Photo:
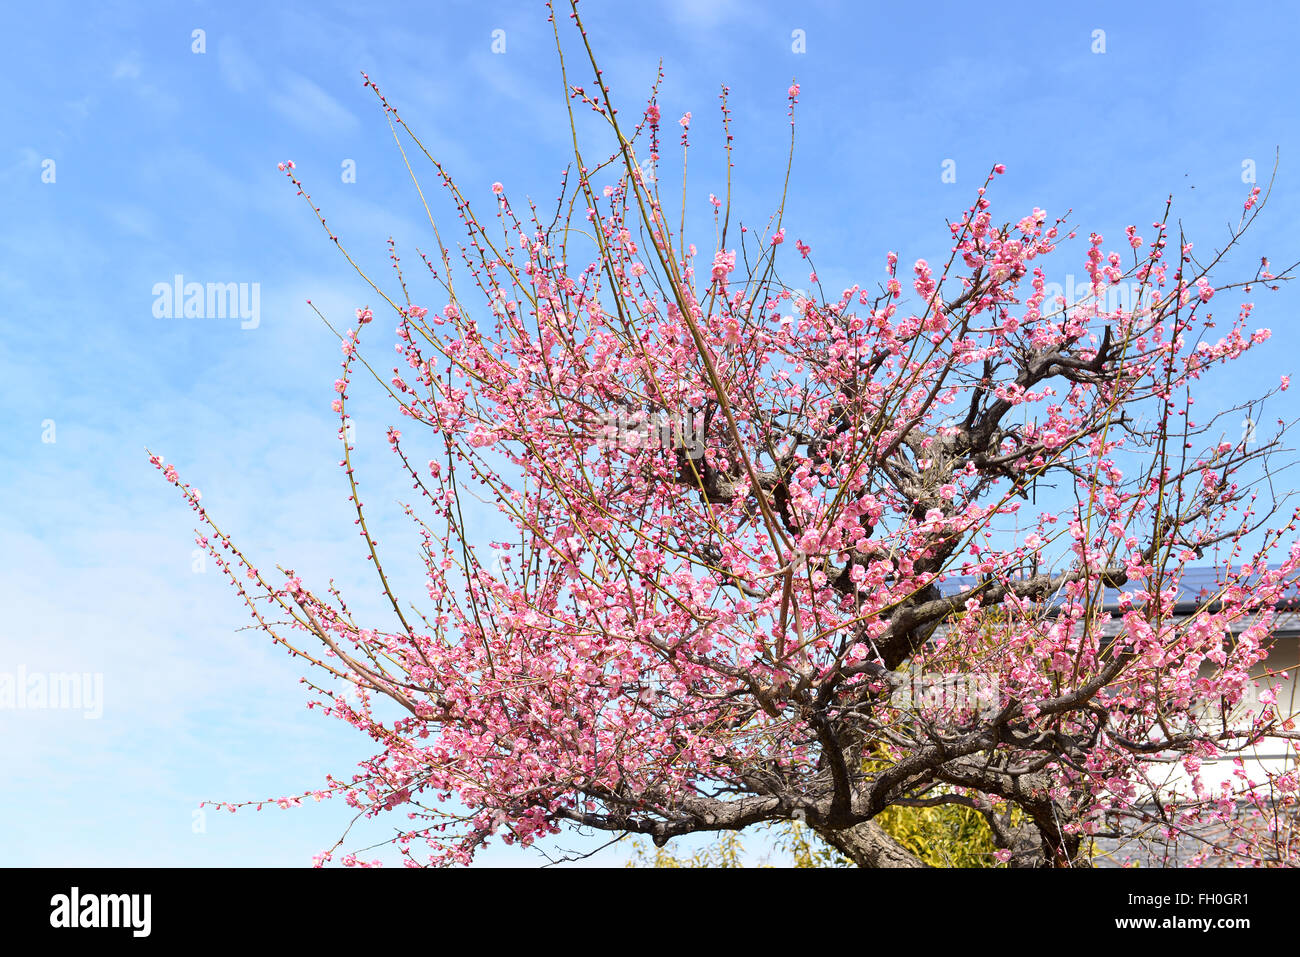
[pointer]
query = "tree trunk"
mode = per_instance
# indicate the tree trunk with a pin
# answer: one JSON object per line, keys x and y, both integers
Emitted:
{"x": 867, "y": 845}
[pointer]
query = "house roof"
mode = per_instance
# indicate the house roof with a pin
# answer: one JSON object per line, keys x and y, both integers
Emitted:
{"x": 1197, "y": 585}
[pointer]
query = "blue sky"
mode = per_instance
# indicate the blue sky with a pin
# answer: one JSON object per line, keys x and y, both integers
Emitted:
{"x": 164, "y": 163}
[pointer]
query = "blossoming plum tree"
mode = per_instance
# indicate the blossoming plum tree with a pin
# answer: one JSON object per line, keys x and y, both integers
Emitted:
{"x": 678, "y": 639}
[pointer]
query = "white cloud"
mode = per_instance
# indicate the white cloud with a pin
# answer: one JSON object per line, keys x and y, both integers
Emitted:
{"x": 127, "y": 68}
{"x": 705, "y": 13}
{"x": 132, "y": 220}
{"x": 238, "y": 70}
{"x": 309, "y": 107}
{"x": 27, "y": 163}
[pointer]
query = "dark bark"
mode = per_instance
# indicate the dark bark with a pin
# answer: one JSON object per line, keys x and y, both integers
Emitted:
{"x": 868, "y": 845}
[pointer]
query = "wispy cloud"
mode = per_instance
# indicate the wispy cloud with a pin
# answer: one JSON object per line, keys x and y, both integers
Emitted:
{"x": 127, "y": 68}
{"x": 239, "y": 71}
{"x": 132, "y": 220}
{"x": 706, "y": 14}
{"x": 310, "y": 108}
{"x": 26, "y": 164}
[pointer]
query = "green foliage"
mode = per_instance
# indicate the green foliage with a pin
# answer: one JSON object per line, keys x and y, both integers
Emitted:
{"x": 947, "y": 835}
{"x": 941, "y": 836}
{"x": 805, "y": 848}
{"x": 794, "y": 844}
{"x": 727, "y": 851}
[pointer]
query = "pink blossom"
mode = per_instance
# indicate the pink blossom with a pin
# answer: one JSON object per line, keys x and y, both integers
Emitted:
{"x": 724, "y": 261}
{"x": 677, "y": 539}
